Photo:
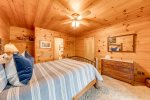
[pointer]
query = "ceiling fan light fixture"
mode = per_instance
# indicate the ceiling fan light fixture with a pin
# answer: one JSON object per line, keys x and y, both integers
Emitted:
{"x": 79, "y": 17}
{"x": 75, "y": 23}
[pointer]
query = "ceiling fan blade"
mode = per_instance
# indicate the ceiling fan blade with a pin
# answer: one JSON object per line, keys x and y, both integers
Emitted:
{"x": 66, "y": 21}
{"x": 69, "y": 16}
{"x": 85, "y": 23}
{"x": 86, "y": 13}
{"x": 92, "y": 21}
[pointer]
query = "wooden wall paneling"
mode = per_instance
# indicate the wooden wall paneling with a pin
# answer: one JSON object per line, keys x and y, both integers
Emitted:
{"x": 18, "y": 32}
{"x": 17, "y": 37}
{"x": 139, "y": 26}
{"x": 107, "y": 18}
{"x": 4, "y": 30}
{"x": 22, "y": 46}
{"x": 41, "y": 54}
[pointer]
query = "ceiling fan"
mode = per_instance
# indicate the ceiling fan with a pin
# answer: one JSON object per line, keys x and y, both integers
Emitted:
{"x": 76, "y": 19}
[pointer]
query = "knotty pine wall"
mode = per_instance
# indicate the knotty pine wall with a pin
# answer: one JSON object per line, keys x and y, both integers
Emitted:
{"x": 140, "y": 26}
{"x": 22, "y": 44}
{"x": 42, "y": 55}
{"x": 4, "y": 32}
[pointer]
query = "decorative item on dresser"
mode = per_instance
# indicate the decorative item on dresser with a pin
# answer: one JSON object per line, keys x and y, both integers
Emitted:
{"x": 148, "y": 82}
{"x": 119, "y": 69}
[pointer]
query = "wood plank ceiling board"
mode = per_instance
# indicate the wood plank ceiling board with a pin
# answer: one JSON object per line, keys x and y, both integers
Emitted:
{"x": 42, "y": 11}
{"x": 51, "y": 14}
{"x": 5, "y": 12}
{"x": 14, "y": 11}
{"x": 55, "y": 16}
{"x": 30, "y": 7}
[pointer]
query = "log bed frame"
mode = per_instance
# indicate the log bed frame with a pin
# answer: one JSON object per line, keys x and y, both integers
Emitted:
{"x": 92, "y": 83}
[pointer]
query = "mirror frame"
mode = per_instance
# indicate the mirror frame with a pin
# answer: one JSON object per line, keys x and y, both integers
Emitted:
{"x": 134, "y": 45}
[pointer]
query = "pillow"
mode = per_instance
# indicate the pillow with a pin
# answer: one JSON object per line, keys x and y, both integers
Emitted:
{"x": 3, "y": 79}
{"x": 11, "y": 73}
{"x": 27, "y": 55}
{"x": 19, "y": 70}
{"x": 4, "y": 58}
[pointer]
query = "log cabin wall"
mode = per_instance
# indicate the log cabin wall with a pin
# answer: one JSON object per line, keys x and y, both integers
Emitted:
{"x": 141, "y": 57}
{"x": 22, "y": 38}
{"x": 42, "y": 55}
{"x": 4, "y": 33}
{"x": 57, "y": 15}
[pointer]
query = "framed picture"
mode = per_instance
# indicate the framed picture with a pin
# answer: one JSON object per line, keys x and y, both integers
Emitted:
{"x": 112, "y": 39}
{"x": 45, "y": 44}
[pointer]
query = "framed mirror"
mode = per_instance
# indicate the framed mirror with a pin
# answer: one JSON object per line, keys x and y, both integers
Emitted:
{"x": 122, "y": 43}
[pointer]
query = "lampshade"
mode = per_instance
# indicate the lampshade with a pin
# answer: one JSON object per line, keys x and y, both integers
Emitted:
{"x": 10, "y": 48}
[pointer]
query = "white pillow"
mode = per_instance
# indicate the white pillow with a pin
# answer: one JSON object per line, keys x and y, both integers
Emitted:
{"x": 11, "y": 73}
{"x": 4, "y": 58}
{"x": 3, "y": 79}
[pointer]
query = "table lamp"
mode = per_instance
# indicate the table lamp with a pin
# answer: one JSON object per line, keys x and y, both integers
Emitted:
{"x": 10, "y": 48}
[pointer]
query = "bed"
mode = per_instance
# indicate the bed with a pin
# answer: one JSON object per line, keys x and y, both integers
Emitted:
{"x": 64, "y": 79}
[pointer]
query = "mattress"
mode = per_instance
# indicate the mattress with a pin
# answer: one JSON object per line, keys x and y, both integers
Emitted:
{"x": 55, "y": 80}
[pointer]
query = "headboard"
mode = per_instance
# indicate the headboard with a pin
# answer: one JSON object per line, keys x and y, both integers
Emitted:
{"x": 94, "y": 63}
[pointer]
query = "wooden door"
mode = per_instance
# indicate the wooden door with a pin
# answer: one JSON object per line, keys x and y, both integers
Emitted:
{"x": 58, "y": 48}
{"x": 89, "y": 48}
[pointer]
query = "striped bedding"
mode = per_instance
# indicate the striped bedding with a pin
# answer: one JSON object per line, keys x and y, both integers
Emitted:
{"x": 56, "y": 80}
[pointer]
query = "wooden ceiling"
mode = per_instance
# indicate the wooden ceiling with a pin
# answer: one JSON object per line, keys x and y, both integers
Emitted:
{"x": 50, "y": 14}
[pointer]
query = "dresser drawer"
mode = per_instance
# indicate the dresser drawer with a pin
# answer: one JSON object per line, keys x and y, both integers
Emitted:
{"x": 109, "y": 62}
{"x": 127, "y": 65}
{"x": 118, "y": 63}
{"x": 127, "y": 70}
{"x": 118, "y": 75}
{"x": 118, "y": 68}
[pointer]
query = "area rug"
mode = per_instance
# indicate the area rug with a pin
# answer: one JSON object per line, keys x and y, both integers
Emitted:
{"x": 112, "y": 89}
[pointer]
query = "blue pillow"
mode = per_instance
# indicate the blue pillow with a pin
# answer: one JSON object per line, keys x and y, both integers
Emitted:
{"x": 11, "y": 73}
{"x": 27, "y": 55}
{"x": 24, "y": 68}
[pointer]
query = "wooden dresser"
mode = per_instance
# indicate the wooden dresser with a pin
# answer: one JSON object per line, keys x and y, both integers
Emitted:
{"x": 122, "y": 70}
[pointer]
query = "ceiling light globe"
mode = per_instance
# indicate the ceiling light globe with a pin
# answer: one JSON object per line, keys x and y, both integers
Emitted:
{"x": 77, "y": 24}
{"x": 73, "y": 23}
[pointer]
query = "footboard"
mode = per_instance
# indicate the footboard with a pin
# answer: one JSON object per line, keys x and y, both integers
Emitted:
{"x": 94, "y": 63}
{"x": 92, "y": 83}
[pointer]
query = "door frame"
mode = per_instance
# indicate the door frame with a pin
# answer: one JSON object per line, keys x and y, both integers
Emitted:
{"x": 54, "y": 45}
